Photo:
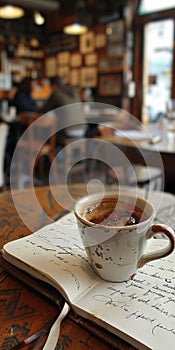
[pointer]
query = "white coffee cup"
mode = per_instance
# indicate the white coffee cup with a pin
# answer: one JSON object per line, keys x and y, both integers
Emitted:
{"x": 116, "y": 252}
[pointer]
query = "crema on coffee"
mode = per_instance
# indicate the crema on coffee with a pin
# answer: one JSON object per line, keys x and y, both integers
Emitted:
{"x": 113, "y": 212}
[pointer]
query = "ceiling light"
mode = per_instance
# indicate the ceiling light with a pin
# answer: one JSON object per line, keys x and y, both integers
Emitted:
{"x": 11, "y": 12}
{"x": 37, "y": 5}
{"x": 39, "y": 19}
{"x": 75, "y": 29}
{"x": 80, "y": 24}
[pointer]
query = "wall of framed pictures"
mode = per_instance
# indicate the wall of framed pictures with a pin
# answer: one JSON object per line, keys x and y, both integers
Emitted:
{"x": 98, "y": 62}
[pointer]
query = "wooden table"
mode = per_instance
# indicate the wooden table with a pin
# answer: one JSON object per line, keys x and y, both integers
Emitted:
{"x": 136, "y": 150}
{"x": 24, "y": 309}
{"x": 25, "y": 306}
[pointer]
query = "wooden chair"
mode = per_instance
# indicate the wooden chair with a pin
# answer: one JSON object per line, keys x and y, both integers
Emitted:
{"x": 147, "y": 177}
{"x": 74, "y": 154}
{"x": 38, "y": 141}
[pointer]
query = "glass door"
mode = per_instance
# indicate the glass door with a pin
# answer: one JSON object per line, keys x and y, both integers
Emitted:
{"x": 157, "y": 68}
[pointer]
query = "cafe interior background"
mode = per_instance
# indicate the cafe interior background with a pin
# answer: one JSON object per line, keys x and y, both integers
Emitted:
{"x": 124, "y": 58}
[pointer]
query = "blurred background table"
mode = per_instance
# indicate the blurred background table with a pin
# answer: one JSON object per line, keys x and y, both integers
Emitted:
{"x": 137, "y": 149}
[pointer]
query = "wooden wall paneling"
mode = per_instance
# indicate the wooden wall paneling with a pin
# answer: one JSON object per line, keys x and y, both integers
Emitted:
{"x": 138, "y": 71}
{"x": 173, "y": 73}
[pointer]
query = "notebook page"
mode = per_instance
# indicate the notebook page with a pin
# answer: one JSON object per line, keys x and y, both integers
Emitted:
{"x": 141, "y": 310}
{"x": 55, "y": 253}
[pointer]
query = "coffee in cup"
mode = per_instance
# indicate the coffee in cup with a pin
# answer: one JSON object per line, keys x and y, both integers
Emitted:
{"x": 112, "y": 212}
{"x": 115, "y": 230}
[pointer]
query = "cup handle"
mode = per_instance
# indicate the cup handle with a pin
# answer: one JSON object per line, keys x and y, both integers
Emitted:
{"x": 161, "y": 253}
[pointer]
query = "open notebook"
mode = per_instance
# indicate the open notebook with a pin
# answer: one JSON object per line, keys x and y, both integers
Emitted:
{"x": 140, "y": 311}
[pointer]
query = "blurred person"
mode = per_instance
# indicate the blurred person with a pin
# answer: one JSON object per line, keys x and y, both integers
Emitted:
{"x": 64, "y": 95}
{"x": 23, "y": 100}
{"x": 70, "y": 120}
{"x": 61, "y": 95}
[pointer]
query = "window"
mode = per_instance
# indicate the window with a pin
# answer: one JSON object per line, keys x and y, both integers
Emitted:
{"x": 149, "y": 6}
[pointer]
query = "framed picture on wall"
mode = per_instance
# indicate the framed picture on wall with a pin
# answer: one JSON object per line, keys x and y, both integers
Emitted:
{"x": 110, "y": 64}
{"x": 50, "y": 66}
{"x": 75, "y": 60}
{"x": 63, "y": 73}
{"x": 74, "y": 77}
{"x": 87, "y": 42}
{"x": 115, "y": 50}
{"x": 91, "y": 59}
{"x": 110, "y": 84}
{"x": 89, "y": 77}
{"x": 115, "y": 31}
{"x": 63, "y": 58}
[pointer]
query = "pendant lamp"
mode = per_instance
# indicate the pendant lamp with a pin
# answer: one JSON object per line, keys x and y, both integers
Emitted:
{"x": 11, "y": 12}
{"x": 75, "y": 29}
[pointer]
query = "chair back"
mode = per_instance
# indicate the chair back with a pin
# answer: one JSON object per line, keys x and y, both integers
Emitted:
{"x": 74, "y": 155}
{"x": 147, "y": 177}
{"x": 38, "y": 140}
